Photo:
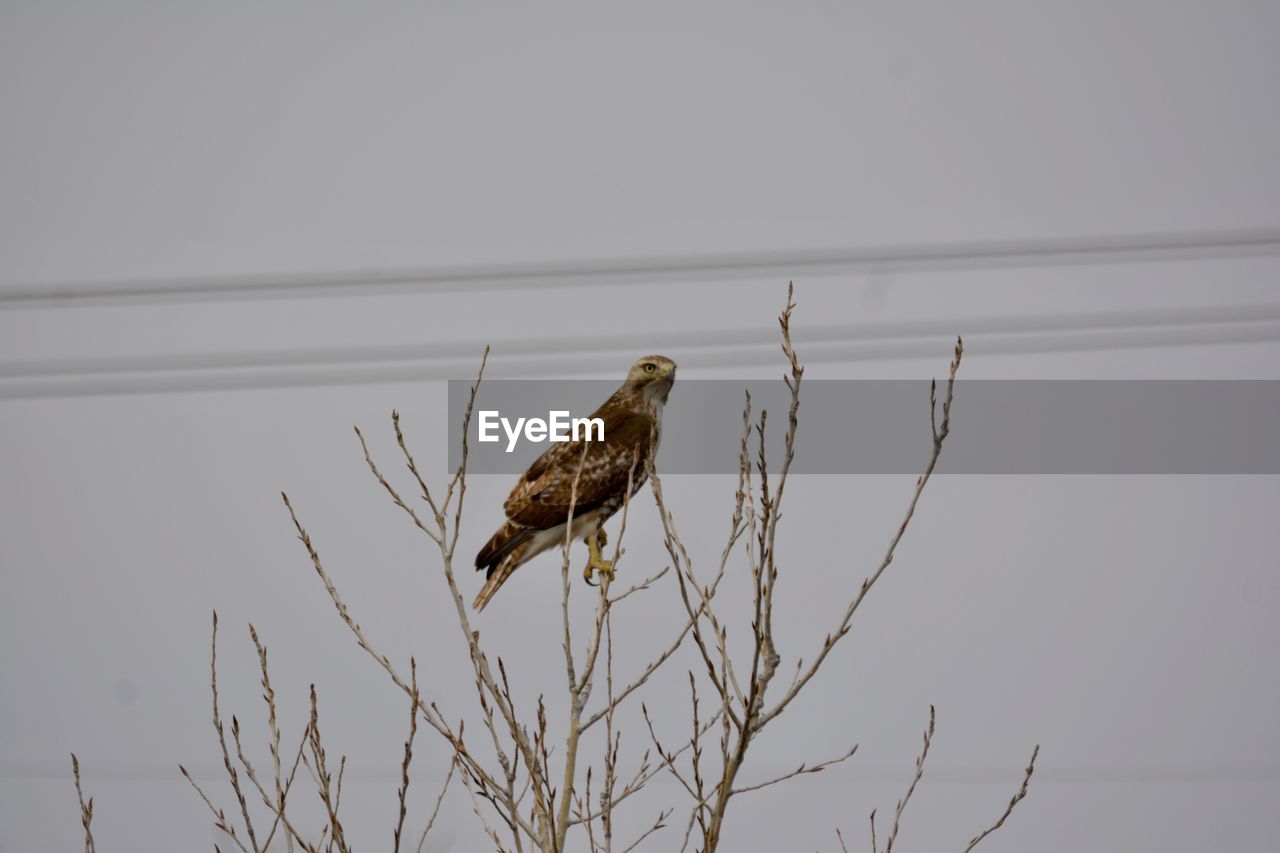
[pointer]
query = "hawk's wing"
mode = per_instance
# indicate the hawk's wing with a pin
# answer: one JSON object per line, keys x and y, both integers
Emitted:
{"x": 542, "y": 497}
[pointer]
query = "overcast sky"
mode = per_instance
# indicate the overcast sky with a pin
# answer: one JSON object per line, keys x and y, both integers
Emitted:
{"x": 230, "y": 231}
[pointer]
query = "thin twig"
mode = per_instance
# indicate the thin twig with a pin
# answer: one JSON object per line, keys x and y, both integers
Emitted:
{"x": 431, "y": 821}
{"x": 232, "y": 775}
{"x": 802, "y": 770}
{"x": 640, "y": 587}
{"x": 911, "y": 789}
{"x": 330, "y": 795}
{"x": 86, "y": 809}
{"x": 403, "y": 791}
{"x": 1017, "y": 798}
{"x": 657, "y": 824}
{"x": 220, "y": 818}
{"x": 273, "y": 727}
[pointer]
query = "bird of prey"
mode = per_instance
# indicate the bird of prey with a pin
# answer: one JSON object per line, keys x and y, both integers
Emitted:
{"x": 538, "y": 507}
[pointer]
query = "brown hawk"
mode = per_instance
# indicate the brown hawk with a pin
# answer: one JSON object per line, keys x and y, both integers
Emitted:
{"x": 538, "y": 507}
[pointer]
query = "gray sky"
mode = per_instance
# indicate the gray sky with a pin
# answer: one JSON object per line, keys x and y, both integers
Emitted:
{"x": 229, "y": 232}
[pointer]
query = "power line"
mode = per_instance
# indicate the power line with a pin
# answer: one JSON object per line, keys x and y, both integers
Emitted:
{"x": 784, "y": 263}
{"x": 555, "y": 356}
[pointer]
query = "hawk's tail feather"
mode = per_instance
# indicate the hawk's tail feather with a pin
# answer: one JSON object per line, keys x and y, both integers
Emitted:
{"x": 507, "y": 538}
{"x": 503, "y": 554}
{"x": 497, "y": 576}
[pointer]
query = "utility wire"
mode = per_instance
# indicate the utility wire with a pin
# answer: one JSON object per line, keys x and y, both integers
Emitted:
{"x": 604, "y": 272}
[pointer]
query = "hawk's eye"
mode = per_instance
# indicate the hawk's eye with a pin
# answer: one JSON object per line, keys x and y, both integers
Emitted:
{"x": 650, "y": 367}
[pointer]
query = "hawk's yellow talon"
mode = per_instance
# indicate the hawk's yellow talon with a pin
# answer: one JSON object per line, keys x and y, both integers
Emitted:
{"x": 595, "y": 562}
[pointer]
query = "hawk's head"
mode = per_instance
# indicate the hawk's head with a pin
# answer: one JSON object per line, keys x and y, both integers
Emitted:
{"x": 652, "y": 377}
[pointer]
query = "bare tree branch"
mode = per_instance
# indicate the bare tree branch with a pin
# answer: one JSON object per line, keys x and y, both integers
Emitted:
{"x": 802, "y": 770}
{"x": 435, "y": 811}
{"x": 1017, "y": 798}
{"x": 232, "y": 776}
{"x": 657, "y": 824}
{"x": 273, "y": 727}
{"x": 940, "y": 434}
{"x": 86, "y": 809}
{"x": 403, "y": 791}
{"x": 220, "y": 818}
{"x": 911, "y": 789}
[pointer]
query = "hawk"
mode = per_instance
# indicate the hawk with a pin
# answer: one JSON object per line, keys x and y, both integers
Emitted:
{"x": 538, "y": 507}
